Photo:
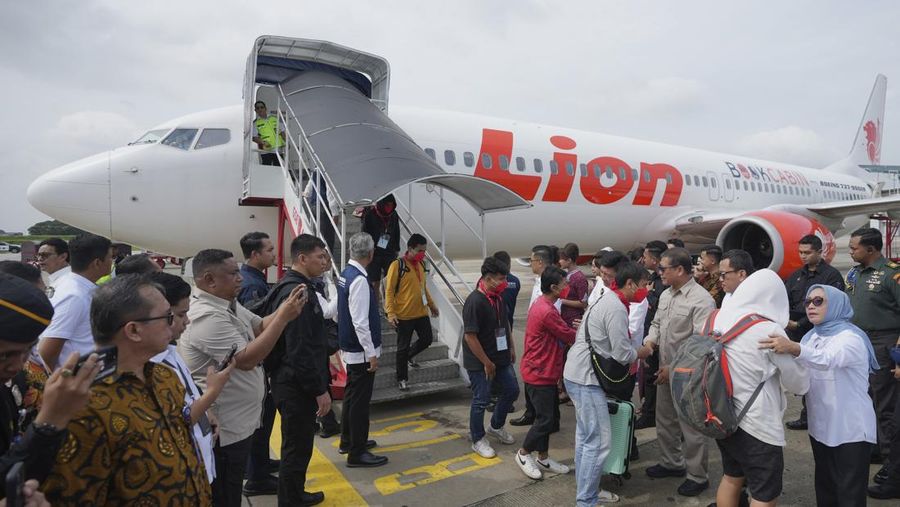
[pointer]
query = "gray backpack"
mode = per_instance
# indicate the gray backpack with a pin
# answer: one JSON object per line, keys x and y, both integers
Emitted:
{"x": 701, "y": 380}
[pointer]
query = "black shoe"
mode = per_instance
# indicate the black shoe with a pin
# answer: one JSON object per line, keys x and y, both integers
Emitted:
{"x": 882, "y": 476}
{"x": 799, "y": 424}
{"x": 370, "y": 444}
{"x": 274, "y": 465}
{"x": 412, "y": 363}
{"x": 884, "y": 491}
{"x": 314, "y": 498}
{"x": 645, "y": 422}
{"x": 658, "y": 472}
{"x": 366, "y": 460}
{"x": 329, "y": 431}
{"x": 692, "y": 488}
{"x": 267, "y": 486}
{"x": 524, "y": 420}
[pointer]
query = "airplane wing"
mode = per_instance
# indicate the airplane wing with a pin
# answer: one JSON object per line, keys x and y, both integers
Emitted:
{"x": 843, "y": 209}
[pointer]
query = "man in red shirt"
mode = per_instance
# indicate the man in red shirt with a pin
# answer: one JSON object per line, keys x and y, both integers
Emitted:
{"x": 546, "y": 339}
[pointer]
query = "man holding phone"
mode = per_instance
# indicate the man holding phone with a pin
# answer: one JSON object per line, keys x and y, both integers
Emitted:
{"x": 218, "y": 322}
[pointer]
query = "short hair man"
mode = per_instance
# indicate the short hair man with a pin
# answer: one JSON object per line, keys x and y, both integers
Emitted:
{"x": 651, "y": 257}
{"x": 511, "y": 294}
{"x": 874, "y": 289}
{"x": 488, "y": 356}
{"x": 53, "y": 257}
{"x": 674, "y": 243}
{"x": 408, "y": 303}
{"x": 25, "y": 271}
{"x": 735, "y": 267}
{"x": 219, "y": 324}
{"x": 266, "y": 134}
{"x": 814, "y": 271}
{"x": 137, "y": 264}
{"x": 359, "y": 333}
{"x": 683, "y": 310}
{"x": 70, "y": 331}
{"x": 259, "y": 255}
{"x": 706, "y": 272}
{"x": 574, "y": 299}
{"x": 135, "y": 419}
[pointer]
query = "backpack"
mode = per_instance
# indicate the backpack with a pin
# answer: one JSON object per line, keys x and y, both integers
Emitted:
{"x": 701, "y": 380}
{"x": 263, "y": 307}
{"x": 401, "y": 270}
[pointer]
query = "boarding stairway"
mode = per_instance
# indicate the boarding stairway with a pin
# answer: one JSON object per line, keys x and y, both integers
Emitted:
{"x": 343, "y": 153}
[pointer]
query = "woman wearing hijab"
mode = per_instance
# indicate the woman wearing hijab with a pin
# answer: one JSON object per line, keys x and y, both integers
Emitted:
{"x": 841, "y": 417}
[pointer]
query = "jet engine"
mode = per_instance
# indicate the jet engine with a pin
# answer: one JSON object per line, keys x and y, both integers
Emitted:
{"x": 771, "y": 238}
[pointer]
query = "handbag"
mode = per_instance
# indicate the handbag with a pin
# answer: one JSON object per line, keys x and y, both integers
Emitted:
{"x": 614, "y": 377}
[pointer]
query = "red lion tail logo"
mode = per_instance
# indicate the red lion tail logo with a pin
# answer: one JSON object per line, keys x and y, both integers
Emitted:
{"x": 873, "y": 150}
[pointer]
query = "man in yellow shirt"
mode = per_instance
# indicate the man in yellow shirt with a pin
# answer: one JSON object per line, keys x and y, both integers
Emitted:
{"x": 407, "y": 303}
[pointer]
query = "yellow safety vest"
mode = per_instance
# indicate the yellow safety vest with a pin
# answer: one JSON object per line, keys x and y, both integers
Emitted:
{"x": 268, "y": 131}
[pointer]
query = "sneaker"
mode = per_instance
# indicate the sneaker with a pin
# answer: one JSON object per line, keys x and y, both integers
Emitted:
{"x": 799, "y": 424}
{"x": 882, "y": 475}
{"x": 403, "y": 385}
{"x": 692, "y": 488}
{"x": 483, "y": 448}
{"x": 528, "y": 466}
{"x": 412, "y": 363}
{"x": 608, "y": 496}
{"x": 549, "y": 465}
{"x": 658, "y": 472}
{"x": 502, "y": 435}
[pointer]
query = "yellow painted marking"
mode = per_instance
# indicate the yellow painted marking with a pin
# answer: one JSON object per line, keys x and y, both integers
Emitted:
{"x": 419, "y": 426}
{"x": 394, "y": 483}
{"x": 398, "y": 417}
{"x": 417, "y": 443}
{"x": 322, "y": 475}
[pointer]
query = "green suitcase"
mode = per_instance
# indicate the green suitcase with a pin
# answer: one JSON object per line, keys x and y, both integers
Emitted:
{"x": 621, "y": 423}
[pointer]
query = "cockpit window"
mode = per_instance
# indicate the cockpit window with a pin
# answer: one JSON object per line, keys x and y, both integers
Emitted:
{"x": 213, "y": 137}
{"x": 180, "y": 138}
{"x": 151, "y": 137}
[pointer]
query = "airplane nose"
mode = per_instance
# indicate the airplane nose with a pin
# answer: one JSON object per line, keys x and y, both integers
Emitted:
{"x": 76, "y": 194}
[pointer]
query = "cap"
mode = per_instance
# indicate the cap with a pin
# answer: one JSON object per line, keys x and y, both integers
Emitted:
{"x": 25, "y": 311}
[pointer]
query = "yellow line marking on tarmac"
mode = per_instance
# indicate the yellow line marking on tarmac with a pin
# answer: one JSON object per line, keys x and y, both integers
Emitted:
{"x": 397, "y": 417}
{"x": 417, "y": 443}
{"x": 390, "y": 484}
{"x": 322, "y": 474}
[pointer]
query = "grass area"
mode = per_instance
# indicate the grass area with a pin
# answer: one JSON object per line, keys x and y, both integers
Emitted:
{"x": 18, "y": 240}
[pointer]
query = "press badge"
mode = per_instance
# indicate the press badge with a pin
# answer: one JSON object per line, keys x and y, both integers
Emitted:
{"x": 501, "y": 340}
{"x": 383, "y": 241}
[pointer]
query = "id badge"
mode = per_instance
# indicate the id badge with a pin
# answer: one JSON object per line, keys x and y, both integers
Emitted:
{"x": 383, "y": 241}
{"x": 205, "y": 425}
{"x": 424, "y": 299}
{"x": 501, "y": 340}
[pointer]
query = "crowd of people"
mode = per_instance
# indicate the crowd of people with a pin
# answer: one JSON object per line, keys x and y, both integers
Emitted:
{"x": 139, "y": 388}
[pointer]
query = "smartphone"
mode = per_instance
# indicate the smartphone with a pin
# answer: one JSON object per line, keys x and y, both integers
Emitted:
{"x": 107, "y": 359}
{"x": 228, "y": 358}
{"x": 15, "y": 479}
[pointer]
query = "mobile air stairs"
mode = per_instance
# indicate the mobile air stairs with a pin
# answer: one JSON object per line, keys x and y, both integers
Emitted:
{"x": 341, "y": 153}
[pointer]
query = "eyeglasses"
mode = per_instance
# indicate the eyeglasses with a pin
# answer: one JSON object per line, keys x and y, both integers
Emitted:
{"x": 170, "y": 319}
{"x": 816, "y": 301}
{"x": 45, "y": 255}
{"x": 662, "y": 269}
{"x": 723, "y": 273}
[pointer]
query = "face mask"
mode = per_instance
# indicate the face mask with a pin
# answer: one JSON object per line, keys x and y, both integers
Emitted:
{"x": 388, "y": 208}
{"x": 418, "y": 257}
{"x": 500, "y": 287}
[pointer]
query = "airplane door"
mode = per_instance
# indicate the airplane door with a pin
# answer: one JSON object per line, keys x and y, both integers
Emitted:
{"x": 729, "y": 190}
{"x": 713, "y": 185}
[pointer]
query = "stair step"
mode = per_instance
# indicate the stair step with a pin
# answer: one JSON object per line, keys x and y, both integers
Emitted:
{"x": 389, "y": 336}
{"x": 420, "y": 389}
{"x": 439, "y": 369}
{"x": 434, "y": 352}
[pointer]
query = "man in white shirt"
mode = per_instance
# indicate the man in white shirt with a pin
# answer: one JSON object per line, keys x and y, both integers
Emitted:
{"x": 53, "y": 257}
{"x": 70, "y": 330}
{"x": 735, "y": 267}
{"x": 359, "y": 333}
{"x": 754, "y": 453}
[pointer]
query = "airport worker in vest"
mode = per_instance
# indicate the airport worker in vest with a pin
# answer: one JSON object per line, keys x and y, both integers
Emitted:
{"x": 266, "y": 134}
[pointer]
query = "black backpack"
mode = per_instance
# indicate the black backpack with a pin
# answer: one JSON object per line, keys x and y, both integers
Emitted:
{"x": 264, "y": 307}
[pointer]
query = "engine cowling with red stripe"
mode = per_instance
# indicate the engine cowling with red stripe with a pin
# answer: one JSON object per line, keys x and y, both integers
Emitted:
{"x": 771, "y": 238}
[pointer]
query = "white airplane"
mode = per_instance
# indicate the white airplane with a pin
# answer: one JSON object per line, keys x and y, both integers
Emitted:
{"x": 176, "y": 189}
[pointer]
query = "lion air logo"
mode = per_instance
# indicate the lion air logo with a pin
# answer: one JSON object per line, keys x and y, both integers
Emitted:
{"x": 873, "y": 147}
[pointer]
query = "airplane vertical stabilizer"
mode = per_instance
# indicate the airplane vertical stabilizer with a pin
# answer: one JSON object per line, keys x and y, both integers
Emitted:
{"x": 866, "y": 149}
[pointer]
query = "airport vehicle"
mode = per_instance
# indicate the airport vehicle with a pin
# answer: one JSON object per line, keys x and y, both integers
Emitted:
{"x": 9, "y": 247}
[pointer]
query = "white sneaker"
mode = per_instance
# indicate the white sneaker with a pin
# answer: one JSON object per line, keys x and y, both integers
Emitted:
{"x": 608, "y": 496}
{"x": 549, "y": 465}
{"x": 403, "y": 385}
{"x": 502, "y": 435}
{"x": 527, "y": 465}
{"x": 484, "y": 449}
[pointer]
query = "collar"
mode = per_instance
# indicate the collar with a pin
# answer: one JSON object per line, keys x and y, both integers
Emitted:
{"x": 59, "y": 273}
{"x": 216, "y": 301}
{"x": 877, "y": 265}
{"x": 250, "y": 270}
{"x": 83, "y": 282}
{"x": 119, "y": 377}
{"x": 686, "y": 287}
{"x": 357, "y": 265}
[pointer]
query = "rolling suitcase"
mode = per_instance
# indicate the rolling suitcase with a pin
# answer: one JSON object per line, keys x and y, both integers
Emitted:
{"x": 621, "y": 423}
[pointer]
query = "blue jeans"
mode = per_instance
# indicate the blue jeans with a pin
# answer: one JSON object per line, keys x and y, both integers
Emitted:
{"x": 505, "y": 378}
{"x": 592, "y": 440}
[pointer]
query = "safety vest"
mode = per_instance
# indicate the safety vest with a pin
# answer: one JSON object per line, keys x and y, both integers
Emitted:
{"x": 268, "y": 131}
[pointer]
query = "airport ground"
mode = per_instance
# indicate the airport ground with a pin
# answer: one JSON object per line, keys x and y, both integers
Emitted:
{"x": 432, "y": 464}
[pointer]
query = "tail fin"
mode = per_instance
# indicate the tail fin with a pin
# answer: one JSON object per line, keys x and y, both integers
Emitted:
{"x": 866, "y": 148}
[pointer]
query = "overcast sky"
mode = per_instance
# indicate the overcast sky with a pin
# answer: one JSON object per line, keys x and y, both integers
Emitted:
{"x": 786, "y": 81}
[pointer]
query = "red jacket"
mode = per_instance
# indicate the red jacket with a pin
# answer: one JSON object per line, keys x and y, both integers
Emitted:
{"x": 546, "y": 338}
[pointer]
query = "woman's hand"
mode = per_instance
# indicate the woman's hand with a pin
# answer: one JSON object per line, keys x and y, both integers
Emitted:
{"x": 780, "y": 345}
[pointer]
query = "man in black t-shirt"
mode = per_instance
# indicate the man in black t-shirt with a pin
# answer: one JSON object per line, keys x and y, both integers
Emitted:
{"x": 488, "y": 356}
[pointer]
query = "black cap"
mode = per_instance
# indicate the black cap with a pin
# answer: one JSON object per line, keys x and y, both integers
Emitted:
{"x": 25, "y": 311}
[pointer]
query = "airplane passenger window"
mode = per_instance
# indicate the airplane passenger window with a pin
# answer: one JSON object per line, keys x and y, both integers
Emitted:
{"x": 728, "y": 184}
{"x": 570, "y": 168}
{"x": 598, "y": 171}
{"x": 646, "y": 175}
{"x": 713, "y": 182}
{"x": 520, "y": 164}
{"x": 623, "y": 173}
{"x": 504, "y": 162}
{"x": 752, "y": 186}
{"x": 150, "y": 137}
{"x": 746, "y": 188}
{"x": 554, "y": 167}
{"x": 430, "y": 153}
{"x": 449, "y": 157}
{"x": 705, "y": 182}
{"x": 669, "y": 179}
{"x": 609, "y": 171}
{"x": 213, "y": 137}
{"x": 687, "y": 180}
{"x": 584, "y": 170}
{"x": 180, "y": 138}
{"x": 468, "y": 158}
{"x": 634, "y": 175}
{"x": 696, "y": 181}
{"x": 538, "y": 165}
{"x": 486, "y": 160}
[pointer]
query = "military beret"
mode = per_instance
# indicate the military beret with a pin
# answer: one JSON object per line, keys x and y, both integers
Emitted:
{"x": 25, "y": 311}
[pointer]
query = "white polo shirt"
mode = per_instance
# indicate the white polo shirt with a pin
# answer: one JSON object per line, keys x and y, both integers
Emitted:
{"x": 72, "y": 315}
{"x": 54, "y": 278}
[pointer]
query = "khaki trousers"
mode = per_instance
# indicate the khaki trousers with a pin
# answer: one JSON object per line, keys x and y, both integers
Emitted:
{"x": 693, "y": 455}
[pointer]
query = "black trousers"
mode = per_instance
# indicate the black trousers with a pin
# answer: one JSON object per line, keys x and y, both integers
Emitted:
{"x": 894, "y": 456}
{"x": 355, "y": 412}
{"x": 842, "y": 473}
{"x": 405, "y": 352}
{"x": 231, "y": 461}
{"x": 268, "y": 159}
{"x": 258, "y": 462}
{"x": 884, "y": 388}
{"x": 648, "y": 408}
{"x": 544, "y": 399}
{"x": 298, "y": 432}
